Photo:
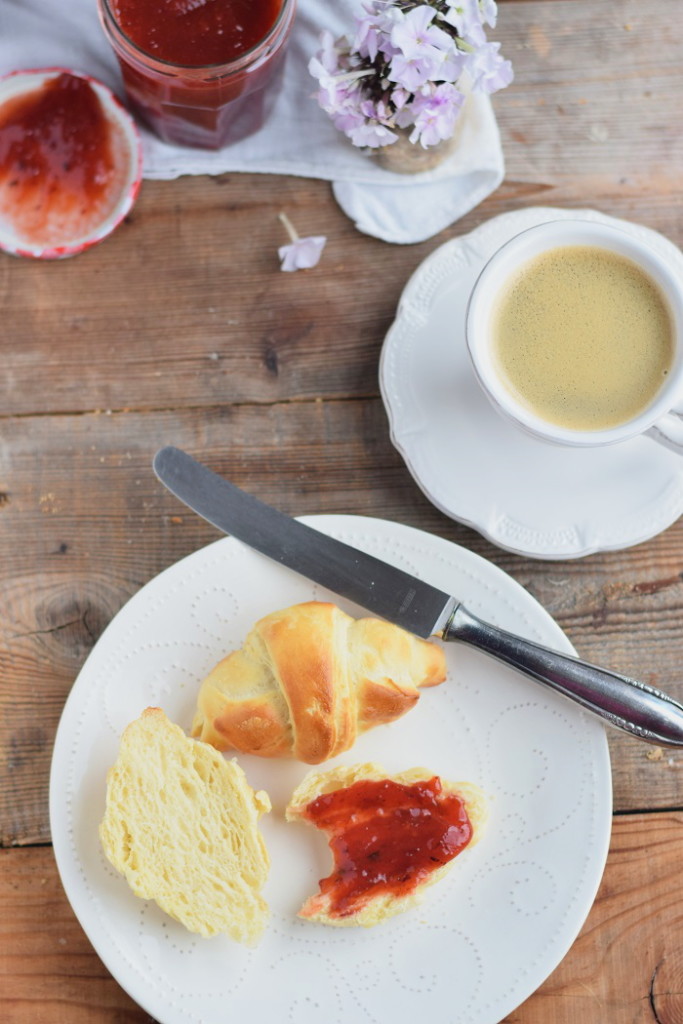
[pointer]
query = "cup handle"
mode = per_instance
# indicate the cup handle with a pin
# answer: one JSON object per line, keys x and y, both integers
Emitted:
{"x": 668, "y": 430}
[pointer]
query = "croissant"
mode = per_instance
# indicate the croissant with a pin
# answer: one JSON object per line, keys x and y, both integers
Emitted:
{"x": 309, "y": 679}
{"x": 181, "y": 825}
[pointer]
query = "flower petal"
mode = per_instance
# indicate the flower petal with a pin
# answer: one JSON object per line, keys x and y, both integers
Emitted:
{"x": 302, "y": 254}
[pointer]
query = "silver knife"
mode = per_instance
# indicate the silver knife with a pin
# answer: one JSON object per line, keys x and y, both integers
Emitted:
{"x": 411, "y": 603}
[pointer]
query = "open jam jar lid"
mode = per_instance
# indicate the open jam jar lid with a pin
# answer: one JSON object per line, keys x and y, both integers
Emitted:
{"x": 70, "y": 162}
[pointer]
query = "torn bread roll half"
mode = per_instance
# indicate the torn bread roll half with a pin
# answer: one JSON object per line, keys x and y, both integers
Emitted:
{"x": 390, "y": 836}
{"x": 309, "y": 680}
{"x": 181, "y": 826}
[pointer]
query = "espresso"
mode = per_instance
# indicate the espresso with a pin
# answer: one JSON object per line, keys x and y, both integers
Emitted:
{"x": 582, "y": 337}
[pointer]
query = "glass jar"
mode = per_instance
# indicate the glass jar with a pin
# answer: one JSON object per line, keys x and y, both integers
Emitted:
{"x": 207, "y": 106}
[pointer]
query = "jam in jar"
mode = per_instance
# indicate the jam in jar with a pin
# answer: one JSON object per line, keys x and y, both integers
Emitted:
{"x": 202, "y": 73}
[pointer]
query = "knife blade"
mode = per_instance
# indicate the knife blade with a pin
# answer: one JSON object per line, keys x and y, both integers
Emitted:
{"x": 413, "y": 604}
{"x": 382, "y": 589}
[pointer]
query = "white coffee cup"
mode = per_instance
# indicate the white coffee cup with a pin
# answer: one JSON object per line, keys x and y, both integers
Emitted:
{"x": 662, "y": 419}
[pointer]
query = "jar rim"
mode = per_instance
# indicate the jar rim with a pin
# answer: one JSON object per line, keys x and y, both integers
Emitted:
{"x": 189, "y": 70}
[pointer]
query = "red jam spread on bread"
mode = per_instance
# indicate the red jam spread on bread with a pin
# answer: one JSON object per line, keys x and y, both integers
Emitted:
{"x": 57, "y": 164}
{"x": 386, "y": 838}
{"x": 196, "y": 33}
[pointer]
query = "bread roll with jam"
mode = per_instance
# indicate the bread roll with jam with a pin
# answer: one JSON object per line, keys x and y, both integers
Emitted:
{"x": 391, "y": 836}
{"x": 181, "y": 826}
{"x": 309, "y": 680}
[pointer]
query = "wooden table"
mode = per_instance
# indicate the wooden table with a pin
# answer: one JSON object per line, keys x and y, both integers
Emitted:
{"x": 181, "y": 329}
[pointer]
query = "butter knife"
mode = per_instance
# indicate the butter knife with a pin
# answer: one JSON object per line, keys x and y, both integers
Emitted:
{"x": 411, "y": 603}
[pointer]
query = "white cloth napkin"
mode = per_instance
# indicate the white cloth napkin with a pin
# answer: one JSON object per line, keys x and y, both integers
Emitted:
{"x": 299, "y": 138}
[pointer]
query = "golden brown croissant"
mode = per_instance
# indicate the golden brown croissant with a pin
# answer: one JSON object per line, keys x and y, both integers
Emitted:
{"x": 309, "y": 679}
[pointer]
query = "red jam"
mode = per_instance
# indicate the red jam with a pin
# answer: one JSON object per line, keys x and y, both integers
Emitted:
{"x": 386, "y": 838}
{"x": 58, "y": 168}
{"x": 202, "y": 73}
{"x": 196, "y": 32}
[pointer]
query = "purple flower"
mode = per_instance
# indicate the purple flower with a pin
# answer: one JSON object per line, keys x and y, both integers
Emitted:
{"x": 373, "y": 135}
{"x": 422, "y": 48}
{"x": 489, "y": 12}
{"x": 465, "y": 17}
{"x": 401, "y": 69}
{"x": 339, "y": 95}
{"x": 399, "y": 97}
{"x": 301, "y": 253}
{"x": 411, "y": 72}
{"x": 330, "y": 51}
{"x": 388, "y": 17}
{"x": 488, "y": 69}
{"x": 328, "y": 83}
{"x": 453, "y": 63}
{"x": 377, "y": 111}
{"x": 348, "y": 120}
{"x": 367, "y": 39}
{"x": 435, "y": 114}
{"x": 416, "y": 37}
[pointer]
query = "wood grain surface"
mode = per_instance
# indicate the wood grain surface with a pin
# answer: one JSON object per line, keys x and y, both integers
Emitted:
{"x": 626, "y": 964}
{"x": 181, "y": 329}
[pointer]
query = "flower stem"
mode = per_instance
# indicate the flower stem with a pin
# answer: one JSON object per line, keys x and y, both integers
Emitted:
{"x": 291, "y": 230}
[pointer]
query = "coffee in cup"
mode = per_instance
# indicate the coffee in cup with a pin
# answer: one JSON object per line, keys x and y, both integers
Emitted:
{"x": 575, "y": 331}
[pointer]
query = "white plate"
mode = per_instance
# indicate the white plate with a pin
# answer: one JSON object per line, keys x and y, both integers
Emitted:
{"x": 524, "y": 495}
{"x": 484, "y": 938}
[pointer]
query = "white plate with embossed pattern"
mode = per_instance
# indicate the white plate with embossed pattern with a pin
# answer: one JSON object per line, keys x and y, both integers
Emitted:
{"x": 522, "y": 494}
{"x": 484, "y": 937}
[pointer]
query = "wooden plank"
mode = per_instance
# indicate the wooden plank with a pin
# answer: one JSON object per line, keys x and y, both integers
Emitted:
{"x": 85, "y": 524}
{"x": 624, "y": 966}
{"x": 49, "y": 972}
{"x": 595, "y": 100}
{"x": 185, "y": 304}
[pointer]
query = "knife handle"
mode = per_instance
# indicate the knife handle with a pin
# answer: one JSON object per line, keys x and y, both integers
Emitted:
{"x": 625, "y": 703}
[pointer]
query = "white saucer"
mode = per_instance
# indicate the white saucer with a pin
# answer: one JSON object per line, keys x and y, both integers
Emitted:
{"x": 522, "y": 494}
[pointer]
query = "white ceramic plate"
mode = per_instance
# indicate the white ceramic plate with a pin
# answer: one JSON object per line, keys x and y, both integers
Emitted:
{"x": 484, "y": 938}
{"x": 522, "y": 494}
